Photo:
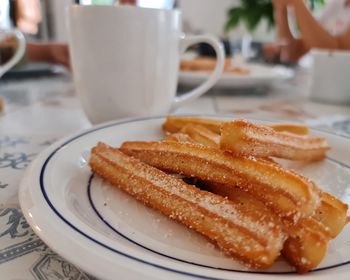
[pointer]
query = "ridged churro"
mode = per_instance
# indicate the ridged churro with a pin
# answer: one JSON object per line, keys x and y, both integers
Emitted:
{"x": 202, "y": 135}
{"x": 246, "y": 138}
{"x": 179, "y": 137}
{"x": 287, "y": 193}
{"x": 174, "y": 124}
{"x": 299, "y": 129}
{"x": 248, "y": 236}
{"x": 332, "y": 213}
{"x": 307, "y": 241}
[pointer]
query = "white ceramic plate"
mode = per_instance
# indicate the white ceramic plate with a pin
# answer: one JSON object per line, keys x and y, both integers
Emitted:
{"x": 260, "y": 75}
{"x": 110, "y": 235}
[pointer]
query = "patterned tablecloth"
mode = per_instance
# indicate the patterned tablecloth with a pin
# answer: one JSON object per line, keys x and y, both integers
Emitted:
{"x": 39, "y": 112}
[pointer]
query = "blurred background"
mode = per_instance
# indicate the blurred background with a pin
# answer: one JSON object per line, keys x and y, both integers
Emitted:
{"x": 209, "y": 16}
{"x": 246, "y": 27}
{"x": 243, "y": 23}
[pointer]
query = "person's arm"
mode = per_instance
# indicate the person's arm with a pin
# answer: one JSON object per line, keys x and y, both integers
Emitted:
{"x": 49, "y": 52}
{"x": 312, "y": 33}
{"x": 281, "y": 18}
{"x": 28, "y": 15}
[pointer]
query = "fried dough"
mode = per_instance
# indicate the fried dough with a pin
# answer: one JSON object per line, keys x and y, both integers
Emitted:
{"x": 174, "y": 124}
{"x": 308, "y": 239}
{"x": 246, "y": 138}
{"x": 202, "y": 135}
{"x": 287, "y": 193}
{"x": 332, "y": 212}
{"x": 248, "y": 236}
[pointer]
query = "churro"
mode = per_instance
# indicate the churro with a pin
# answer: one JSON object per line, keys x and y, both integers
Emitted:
{"x": 246, "y": 138}
{"x": 174, "y": 124}
{"x": 291, "y": 128}
{"x": 179, "y": 137}
{"x": 202, "y": 135}
{"x": 307, "y": 241}
{"x": 332, "y": 213}
{"x": 287, "y": 193}
{"x": 248, "y": 236}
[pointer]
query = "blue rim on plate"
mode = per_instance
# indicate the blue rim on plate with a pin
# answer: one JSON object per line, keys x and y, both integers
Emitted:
{"x": 44, "y": 193}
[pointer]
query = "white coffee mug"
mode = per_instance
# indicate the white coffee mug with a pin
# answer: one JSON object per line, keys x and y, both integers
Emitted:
{"x": 329, "y": 79}
{"x": 19, "y": 52}
{"x": 125, "y": 60}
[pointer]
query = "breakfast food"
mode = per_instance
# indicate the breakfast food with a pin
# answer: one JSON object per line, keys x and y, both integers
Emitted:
{"x": 332, "y": 213}
{"x": 201, "y": 134}
{"x": 251, "y": 237}
{"x": 307, "y": 241}
{"x": 208, "y": 64}
{"x": 289, "y": 194}
{"x": 174, "y": 124}
{"x": 247, "y": 138}
{"x": 291, "y": 127}
{"x": 223, "y": 183}
{"x": 179, "y": 137}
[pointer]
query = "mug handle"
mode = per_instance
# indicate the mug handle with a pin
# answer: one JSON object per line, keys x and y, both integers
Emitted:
{"x": 187, "y": 41}
{"x": 20, "y": 50}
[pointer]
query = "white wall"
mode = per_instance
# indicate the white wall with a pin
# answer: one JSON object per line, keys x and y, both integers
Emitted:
{"x": 210, "y": 16}
{"x": 205, "y": 15}
{"x": 59, "y": 9}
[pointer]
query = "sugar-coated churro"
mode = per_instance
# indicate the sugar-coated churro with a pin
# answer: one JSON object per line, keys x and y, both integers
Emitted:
{"x": 289, "y": 194}
{"x": 246, "y": 138}
{"x": 179, "y": 137}
{"x": 291, "y": 127}
{"x": 307, "y": 241}
{"x": 174, "y": 124}
{"x": 248, "y": 236}
{"x": 202, "y": 135}
{"x": 332, "y": 213}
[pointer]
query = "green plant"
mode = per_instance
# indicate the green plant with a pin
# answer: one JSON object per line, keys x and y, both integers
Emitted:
{"x": 251, "y": 12}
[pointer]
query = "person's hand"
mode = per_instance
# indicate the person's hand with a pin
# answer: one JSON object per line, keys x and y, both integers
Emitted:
{"x": 59, "y": 54}
{"x": 289, "y": 51}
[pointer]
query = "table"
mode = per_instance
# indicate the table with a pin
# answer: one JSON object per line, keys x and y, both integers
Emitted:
{"x": 40, "y": 111}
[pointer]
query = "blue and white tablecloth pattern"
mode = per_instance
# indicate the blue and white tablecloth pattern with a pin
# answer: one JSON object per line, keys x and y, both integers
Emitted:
{"x": 18, "y": 243}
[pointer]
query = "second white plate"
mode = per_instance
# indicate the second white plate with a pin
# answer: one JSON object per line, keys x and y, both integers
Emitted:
{"x": 260, "y": 75}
